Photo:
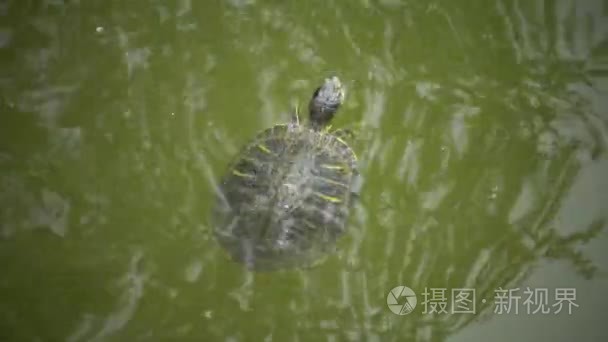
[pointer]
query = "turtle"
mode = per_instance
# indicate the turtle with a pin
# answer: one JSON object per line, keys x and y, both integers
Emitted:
{"x": 285, "y": 199}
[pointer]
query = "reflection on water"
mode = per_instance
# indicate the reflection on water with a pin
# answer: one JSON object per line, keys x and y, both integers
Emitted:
{"x": 482, "y": 152}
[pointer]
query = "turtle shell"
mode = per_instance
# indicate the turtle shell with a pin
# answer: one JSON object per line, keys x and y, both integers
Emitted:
{"x": 285, "y": 199}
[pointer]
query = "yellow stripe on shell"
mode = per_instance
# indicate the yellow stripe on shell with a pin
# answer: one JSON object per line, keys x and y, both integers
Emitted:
{"x": 333, "y": 167}
{"x": 333, "y": 182}
{"x": 328, "y": 198}
{"x": 264, "y": 148}
{"x": 241, "y": 174}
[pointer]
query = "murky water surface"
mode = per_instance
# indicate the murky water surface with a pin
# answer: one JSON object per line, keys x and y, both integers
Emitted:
{"x": 483, "y": 141}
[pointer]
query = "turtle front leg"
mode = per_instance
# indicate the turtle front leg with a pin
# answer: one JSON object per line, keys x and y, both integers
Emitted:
{"x": 344, "y": 134}
{"x": 358, "y": 132}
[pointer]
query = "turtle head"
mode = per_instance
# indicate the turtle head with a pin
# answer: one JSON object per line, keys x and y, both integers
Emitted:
{"x": 325, "y": 102}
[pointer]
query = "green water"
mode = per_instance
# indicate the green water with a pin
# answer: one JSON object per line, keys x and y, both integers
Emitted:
{"x": 483, "y": 160}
